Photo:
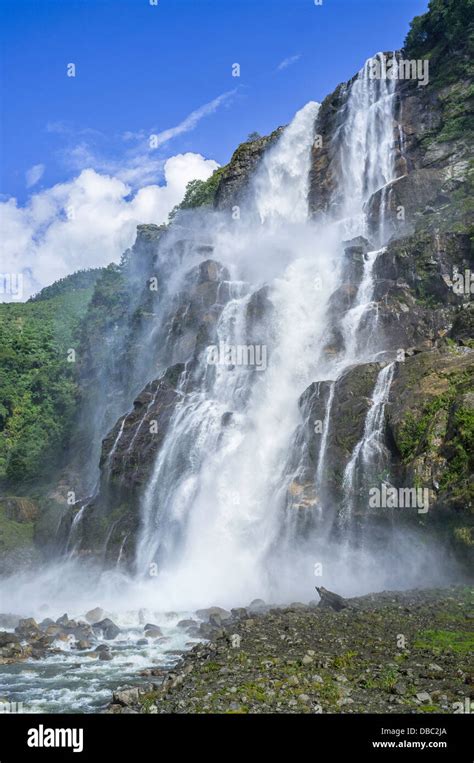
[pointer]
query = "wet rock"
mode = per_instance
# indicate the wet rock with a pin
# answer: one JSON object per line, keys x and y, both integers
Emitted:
{"x": 28, "y": 628}
{"x": 256, "y": 606}
{"x": 94, "y": 615}
{"x": 239, "y": 613}
{"x": 186, "y": 624}
{"x": 83, "y": 644}
{"x": 46, "y": 623}
{"x": 126, "y": 697}
{"x": 108, "y": 628}
{"x": 205, "y": 614}
{"x": 53, "y": 630}
{"x": 331, "y": 600}
{"x": 105, "y": 656}
{"x": 142, "y": 642}
{"x": 7, "y": 639}
{"x": 153, "y": 631}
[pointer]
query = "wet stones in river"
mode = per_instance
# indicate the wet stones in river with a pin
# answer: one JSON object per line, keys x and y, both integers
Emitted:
{"x": 107, "y": 627}
{"x": 103, "y": 652}
{"x": 10, "y": 647}
{"x": 28, "y": 629}
{"x": 94, "y": 615}
{"x": 83, "y": 644}
{"x": 152, "y": 631}
{"x": 187, "y": 624}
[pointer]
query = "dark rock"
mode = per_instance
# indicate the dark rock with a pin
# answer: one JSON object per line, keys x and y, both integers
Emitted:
{"x": 107, "y": 628}
{"x": 331, "y": 600}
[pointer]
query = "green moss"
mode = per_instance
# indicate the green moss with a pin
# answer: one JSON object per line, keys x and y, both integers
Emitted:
{"x": 414, "y": 433}
{"x": 345, "y": 661}
{"x": 446, "y": 641}
{"x": 14, "y": 535}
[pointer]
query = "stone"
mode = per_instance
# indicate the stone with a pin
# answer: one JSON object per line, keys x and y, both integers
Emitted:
{"x": 83, "y": 644}
{"x": 94, "y": 615}
{"x": 205, "y": 614}
{"x": 188, "y": 624}
{"x": 108, "y": 628}
{"x": 28, "y": 628}
{"x": 153, "y": 631}
{"x": 7, "y": 639}
{"x": 424, "y": 697}
{"x": 331, "y": 600}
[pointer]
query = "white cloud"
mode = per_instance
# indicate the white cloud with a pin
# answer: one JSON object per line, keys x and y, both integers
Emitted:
{"x": 191, "y": 120}
{"x": 88, "y": 221}
{"x": 138, "y": 163}
{"x": 34, "y": 174}
{"x": 288, "y": 62}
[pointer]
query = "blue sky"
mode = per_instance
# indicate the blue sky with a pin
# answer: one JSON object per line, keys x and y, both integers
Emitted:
{"x": 144, "y": 69}
{"x": 77, "y": 171}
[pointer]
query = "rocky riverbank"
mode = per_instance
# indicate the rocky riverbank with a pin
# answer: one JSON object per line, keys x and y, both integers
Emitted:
{"x": 390, "y": 652}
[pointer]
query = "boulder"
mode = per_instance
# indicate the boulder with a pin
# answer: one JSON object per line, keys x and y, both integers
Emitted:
{"x": 94, "y": 615}
{"x": 108, "y": 628}
{"x": 204, "y": 614}
{"x": 330, "y": 600}
{"x": 126, "y": 697}
{"x": 28, "y": 628}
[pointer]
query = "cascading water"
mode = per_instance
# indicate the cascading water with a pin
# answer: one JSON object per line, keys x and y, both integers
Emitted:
{"x": 214, "y": 526}
{"x": 365, "y": 144}
{"x": 369, "y": 455}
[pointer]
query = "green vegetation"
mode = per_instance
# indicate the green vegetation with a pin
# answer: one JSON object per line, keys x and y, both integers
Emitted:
{"x": 199, "y": 193}
{"x": 446, "y": 641}
{"x": 14, "y": 535}
{"x": 445, "y": 36}
{"x": 414, "y": 435}
{"x": 83, "y": 279}
{"x": 38, "y": 391}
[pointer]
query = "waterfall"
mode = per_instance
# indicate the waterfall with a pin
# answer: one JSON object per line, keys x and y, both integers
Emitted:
{"x": 211, "y": 511}
{"x": 281, "y": 183}
{"x": 369, "y": 453}
{"x": 365, "y": 144}
{"x": 324, "y": 438}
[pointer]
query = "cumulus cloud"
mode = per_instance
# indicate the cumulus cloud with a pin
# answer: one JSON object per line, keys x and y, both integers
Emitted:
{"x": 288, "y": 62}
{"x": 34, "y": 174}
{"x": 88, "y": 221}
